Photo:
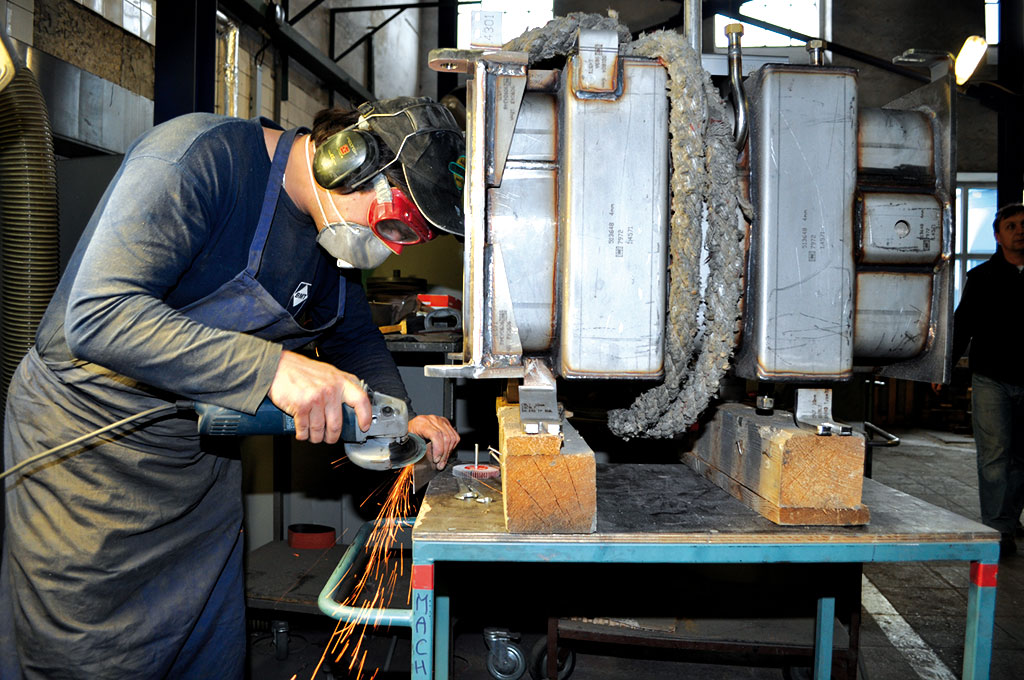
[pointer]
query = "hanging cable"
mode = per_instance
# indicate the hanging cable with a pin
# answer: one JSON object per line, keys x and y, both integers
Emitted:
{"x": 176, "y": 406}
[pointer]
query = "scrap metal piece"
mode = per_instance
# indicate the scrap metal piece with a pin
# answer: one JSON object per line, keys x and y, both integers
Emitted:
{"x": 465, "y": 493}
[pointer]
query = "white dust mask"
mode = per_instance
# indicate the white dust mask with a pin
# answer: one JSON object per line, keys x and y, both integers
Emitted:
{"x": 355, "y": 246}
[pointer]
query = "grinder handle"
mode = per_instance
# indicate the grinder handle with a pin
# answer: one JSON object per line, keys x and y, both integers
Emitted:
{"x": 268, "y": 419}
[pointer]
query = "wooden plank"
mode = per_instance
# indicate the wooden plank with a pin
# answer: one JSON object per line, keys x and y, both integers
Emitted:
{"x": 547, "y": 487}
{"x": 787, "y": 474}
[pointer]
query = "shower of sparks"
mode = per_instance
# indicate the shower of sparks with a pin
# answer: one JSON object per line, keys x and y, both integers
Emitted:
{"x": 347, "y": 639}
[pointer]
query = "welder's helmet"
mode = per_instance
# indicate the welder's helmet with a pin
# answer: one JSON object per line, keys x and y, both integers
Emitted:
{"x": 423, "y": 136}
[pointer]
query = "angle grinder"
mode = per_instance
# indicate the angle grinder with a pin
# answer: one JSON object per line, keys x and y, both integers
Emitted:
{"x": 387, "y": 445}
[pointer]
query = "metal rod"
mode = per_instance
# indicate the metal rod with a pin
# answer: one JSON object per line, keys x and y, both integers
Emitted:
{"x": 369, "y": 35}
{"x": 691, "y": 11}
{"x": 890, "y": 439}
{"x": 287, "y": 39}
{"x": 306, "y": 10}
{"x": 409, "y": 5}
{"x": 332, "y": 606}
{"x": 739, "y": 98}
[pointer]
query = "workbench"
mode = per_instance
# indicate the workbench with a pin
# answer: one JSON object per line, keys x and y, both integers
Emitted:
{"x": 666, "y": 514}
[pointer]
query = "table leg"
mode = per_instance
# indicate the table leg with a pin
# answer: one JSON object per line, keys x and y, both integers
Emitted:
{"x": 981, "y": 613}
{"x": 443, "y": 634}
{"x": 423, "y": 620}
{"x": 824, "y": 625}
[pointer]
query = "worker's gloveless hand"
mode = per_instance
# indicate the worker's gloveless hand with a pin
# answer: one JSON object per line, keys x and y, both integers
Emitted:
{"x": 440, "y": 434}
{"x": 312, "y": 392}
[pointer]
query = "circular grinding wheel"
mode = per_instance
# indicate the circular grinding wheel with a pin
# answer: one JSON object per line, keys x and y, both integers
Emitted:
{"x": 481, "y": 471}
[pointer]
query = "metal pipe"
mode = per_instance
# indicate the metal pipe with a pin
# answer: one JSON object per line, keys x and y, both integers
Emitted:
{"x": 816, "y": 52}
{"x": 373, "y": 617}
{"x": 289, "y": 41}
{"x": 692, "y": 23}
{"x": 890, "y": 439}
{"x": 28, "y": 212}
{"x": 229, "y": 31}
{"x": 739, "y": 98}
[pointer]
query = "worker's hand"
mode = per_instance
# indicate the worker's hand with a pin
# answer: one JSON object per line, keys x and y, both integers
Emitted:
{"x": 440, "y": 434}
{"x": 312, "y": 392}
{"x": 936, "y": 388}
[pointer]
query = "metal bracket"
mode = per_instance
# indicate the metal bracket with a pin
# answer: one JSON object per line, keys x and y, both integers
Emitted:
{"x": 600, "y": 74}
{"x": 814, "y": 410}
{"x": 538, "y": 399}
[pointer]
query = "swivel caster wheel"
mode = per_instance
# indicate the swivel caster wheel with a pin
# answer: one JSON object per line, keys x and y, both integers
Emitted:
{"x": 506, "y": 660}
{"x": 539, "y": 661}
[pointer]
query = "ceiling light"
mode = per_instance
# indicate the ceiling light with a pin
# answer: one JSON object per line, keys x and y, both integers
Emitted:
{"x": 969, "y": 57}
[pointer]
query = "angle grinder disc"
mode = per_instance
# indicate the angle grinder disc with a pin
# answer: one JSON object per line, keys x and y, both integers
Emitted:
{"x": 408, "y": 451}
{"x": 481, "y": 471}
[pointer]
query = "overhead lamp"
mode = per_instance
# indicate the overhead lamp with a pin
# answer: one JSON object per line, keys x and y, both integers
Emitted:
{"x": 970, "y": 56}
{"x": 9, "y": 60}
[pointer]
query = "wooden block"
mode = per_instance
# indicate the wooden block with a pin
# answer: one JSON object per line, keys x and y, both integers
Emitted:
{"x": 549, "y": 483}
{"x": 789, "y": 475}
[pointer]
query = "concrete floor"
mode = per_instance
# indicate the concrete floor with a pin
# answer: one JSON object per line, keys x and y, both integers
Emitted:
{"x": 922, "y": 605}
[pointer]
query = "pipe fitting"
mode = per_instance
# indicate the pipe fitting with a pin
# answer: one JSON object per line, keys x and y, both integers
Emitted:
{"x": 739, "y": 99}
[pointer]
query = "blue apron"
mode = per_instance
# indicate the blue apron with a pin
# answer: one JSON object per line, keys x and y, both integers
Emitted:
{"x": 123, "y": 558}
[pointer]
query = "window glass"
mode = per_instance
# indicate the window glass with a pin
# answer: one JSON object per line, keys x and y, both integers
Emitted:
{"x": 798, "y": 15}
{"x": 974, "y": 243}
{"x": 974, "y": 262}
{"x": 981, "y": 210}
{"x": 992, "y": 22}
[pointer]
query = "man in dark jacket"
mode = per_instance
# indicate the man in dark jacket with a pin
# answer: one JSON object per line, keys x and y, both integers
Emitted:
{"x": 990, "y": 321}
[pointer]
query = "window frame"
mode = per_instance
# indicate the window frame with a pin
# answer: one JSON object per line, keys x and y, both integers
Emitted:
{"x": 962, "y": 257}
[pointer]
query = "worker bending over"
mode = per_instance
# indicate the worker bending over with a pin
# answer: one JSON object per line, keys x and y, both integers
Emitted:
{"x": 221, "y": 247}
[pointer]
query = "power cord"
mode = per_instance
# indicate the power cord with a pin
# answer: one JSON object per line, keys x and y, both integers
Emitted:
{"x": 176, "y": 406}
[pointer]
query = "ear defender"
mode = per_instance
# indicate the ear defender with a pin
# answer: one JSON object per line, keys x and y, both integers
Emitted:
{"x": 345, "y": 158}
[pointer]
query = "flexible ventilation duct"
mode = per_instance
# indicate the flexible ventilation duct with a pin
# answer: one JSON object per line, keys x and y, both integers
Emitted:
{"x": 28, "y": 218}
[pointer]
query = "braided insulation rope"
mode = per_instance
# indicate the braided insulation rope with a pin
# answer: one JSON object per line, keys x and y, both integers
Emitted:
{"x": 704, "y": 181}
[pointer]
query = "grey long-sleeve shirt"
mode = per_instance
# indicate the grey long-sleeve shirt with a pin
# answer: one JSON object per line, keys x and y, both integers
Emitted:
{"x": 174, "y": 225}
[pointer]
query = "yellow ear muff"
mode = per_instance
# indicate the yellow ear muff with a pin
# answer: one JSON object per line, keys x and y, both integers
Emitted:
{"x": 345, "y": 158}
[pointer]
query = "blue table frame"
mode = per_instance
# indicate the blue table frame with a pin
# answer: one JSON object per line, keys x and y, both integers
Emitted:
{"x": 695, "y": 523}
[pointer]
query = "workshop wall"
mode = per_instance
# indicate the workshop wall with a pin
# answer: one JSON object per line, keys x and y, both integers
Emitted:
{"x": 62, "y": 28}
{"x": 17, "y": 18}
